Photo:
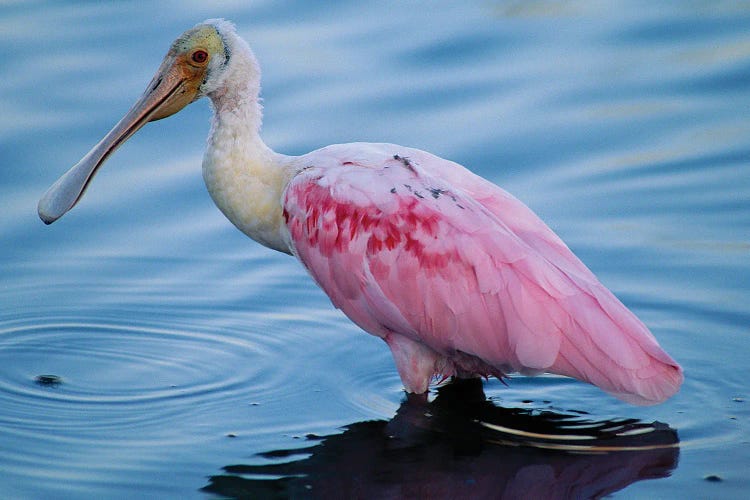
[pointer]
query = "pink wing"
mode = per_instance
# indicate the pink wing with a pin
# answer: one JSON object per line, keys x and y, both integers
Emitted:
{"x": 459, "y": 277}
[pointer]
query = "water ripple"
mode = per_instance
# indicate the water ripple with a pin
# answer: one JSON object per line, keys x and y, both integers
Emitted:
{"x": 117, "y": 375}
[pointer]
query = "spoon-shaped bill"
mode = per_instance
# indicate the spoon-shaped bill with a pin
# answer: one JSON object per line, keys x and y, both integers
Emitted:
{"x": 172, "y": 88}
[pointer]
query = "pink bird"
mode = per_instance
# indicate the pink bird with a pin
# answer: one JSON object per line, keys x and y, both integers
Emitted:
{"x": 457, "y": 276}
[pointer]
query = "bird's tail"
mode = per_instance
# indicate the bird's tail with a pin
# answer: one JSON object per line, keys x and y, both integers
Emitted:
{"x": 615, "y": 351}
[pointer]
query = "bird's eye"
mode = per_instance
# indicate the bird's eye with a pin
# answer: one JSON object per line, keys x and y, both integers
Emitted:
{"x": 199, "y": 56}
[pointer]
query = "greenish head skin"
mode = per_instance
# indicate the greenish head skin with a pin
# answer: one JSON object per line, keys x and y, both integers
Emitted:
{"x": 194, "y": 59}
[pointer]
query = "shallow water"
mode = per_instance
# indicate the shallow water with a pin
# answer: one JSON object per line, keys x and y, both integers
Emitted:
{"x": 190, "y": 357}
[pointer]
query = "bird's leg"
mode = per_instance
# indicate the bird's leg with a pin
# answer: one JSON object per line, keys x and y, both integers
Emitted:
{"x": 416, "y": 363}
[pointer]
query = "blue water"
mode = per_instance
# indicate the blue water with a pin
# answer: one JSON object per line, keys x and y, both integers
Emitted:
{"x": 192, "y": 362}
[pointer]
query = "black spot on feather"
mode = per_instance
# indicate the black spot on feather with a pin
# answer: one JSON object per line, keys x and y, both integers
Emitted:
{"x": 405, "y": 161}
{"x": 435, "y": 192}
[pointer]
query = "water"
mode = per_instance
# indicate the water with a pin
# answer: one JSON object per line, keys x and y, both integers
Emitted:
{"x": 193, "y": 362}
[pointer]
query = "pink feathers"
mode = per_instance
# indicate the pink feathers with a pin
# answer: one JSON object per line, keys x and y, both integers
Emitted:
{"x": 459, "y": 277}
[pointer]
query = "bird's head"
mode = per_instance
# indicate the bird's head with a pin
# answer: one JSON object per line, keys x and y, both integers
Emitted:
{"x": 194, "y": 67}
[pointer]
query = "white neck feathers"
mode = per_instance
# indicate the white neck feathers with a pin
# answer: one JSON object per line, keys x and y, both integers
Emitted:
{"x": 245, "y": 178}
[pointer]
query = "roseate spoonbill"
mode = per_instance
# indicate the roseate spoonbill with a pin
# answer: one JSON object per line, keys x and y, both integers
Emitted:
{"x": 457, "y": 276}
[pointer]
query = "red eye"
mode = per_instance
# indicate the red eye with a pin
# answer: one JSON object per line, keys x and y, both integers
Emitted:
{"x": 199, "y": 56}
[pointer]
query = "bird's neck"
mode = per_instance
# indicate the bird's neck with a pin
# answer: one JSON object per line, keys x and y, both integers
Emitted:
{"x": 245, "y": 178}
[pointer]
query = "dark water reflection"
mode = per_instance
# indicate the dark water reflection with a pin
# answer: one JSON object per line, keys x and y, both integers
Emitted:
{"x": 461, "y": 445}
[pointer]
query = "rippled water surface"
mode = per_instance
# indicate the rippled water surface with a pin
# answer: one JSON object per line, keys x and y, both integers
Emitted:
{"x": 147, "y": 348}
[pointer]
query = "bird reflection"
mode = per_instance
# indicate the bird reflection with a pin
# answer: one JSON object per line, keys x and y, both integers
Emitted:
{"x": 462, "y": 446}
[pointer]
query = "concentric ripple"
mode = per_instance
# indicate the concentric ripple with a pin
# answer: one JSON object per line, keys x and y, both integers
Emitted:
{"x": 117, "y": 375}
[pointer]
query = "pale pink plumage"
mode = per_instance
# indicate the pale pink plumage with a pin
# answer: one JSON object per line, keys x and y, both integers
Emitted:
{"x": 459, "y": 277}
